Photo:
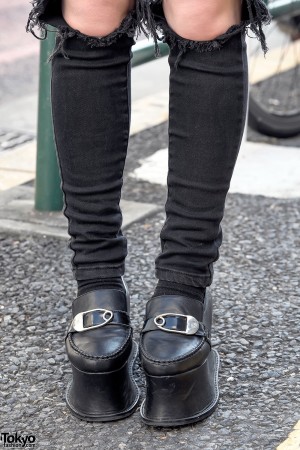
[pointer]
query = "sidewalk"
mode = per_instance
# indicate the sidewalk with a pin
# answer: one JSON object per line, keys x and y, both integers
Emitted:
{"x": 255, "y": 290}
{"x": 256, "y": 330}
{"x": 256, "y": 326}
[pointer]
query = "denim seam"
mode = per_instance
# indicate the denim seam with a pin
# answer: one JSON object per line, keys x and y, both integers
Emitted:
{"x": 178, "y": 271}
{"x": 183, "y": 277}
{"x": 100, "y": 272}
{"x": 245, "y": 88}
{"x": 117, "y": 266}
{"x": 65, "y": 207}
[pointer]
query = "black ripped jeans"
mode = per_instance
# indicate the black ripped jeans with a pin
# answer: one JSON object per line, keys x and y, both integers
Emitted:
{"x": 91, "y": 101}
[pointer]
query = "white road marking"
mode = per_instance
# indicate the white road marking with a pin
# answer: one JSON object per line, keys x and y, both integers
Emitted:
{"x": 293, "y": 440}
{"x": 261, "y": 169}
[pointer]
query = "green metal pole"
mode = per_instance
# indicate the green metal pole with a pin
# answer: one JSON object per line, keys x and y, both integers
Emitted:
{"x": 48, "y": 194}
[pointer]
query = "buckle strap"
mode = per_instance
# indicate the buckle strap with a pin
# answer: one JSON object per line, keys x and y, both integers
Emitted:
{"x": 96, "y": 318}
{"x": 176, "y": 323}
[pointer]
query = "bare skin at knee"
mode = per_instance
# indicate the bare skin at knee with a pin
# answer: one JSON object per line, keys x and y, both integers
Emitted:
{"x": 201, "y": 20}
{"x": 96, "y": 17}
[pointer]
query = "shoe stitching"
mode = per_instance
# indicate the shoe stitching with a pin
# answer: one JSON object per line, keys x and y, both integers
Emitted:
{"x": 110, "y": 356}
{"x": 186, "y": 356}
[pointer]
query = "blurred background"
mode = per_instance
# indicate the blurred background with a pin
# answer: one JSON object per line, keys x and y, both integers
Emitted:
{"x": 19, "y": 53}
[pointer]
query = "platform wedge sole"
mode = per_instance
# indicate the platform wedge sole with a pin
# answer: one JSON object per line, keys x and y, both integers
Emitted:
{"x": 106, "y": 396}
{"x": 182, "y": 399}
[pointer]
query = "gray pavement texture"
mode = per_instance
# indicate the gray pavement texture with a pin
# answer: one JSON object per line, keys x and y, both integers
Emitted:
{"x": 256, "y": 331}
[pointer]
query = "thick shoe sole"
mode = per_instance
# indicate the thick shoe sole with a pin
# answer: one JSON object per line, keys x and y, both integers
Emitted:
{"x": 194, "y": 394}
{"x": 104, "y": 397}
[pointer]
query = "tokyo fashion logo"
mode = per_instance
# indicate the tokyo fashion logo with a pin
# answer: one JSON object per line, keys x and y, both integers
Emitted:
{"x": 16, "y": 440}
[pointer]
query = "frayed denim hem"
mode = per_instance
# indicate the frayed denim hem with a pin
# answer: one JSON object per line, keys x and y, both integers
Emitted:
{"x": 42, "y": 14}
{"x": 255, "y": 15}
{"x": 88, "y": 272}
{"x": 189, "y": 279}
{"x": 147, "y": 17}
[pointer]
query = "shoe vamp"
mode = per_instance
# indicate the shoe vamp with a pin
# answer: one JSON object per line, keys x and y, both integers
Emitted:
{"x": 102, "y": 342}
{"x": 164, "y": 347}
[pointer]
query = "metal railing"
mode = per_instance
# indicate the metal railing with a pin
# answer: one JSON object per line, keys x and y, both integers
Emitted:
{"x": 48, "y": 193}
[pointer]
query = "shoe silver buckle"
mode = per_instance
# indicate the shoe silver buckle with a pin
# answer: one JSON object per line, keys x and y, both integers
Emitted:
{"x": 192, "y": 324}
{"x": 77, "y": 323}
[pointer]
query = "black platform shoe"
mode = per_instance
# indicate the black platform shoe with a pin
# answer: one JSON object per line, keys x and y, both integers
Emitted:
{"x": 180, "y": 366}
{"x": 102, "y": 353}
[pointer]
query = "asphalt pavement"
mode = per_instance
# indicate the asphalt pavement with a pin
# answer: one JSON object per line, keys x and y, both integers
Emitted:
{"x": 256, "y": 326}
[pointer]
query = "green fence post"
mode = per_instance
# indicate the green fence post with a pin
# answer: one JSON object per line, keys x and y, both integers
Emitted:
{"x": 48, "y": 194}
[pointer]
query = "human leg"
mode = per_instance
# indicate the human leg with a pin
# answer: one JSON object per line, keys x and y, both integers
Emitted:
{"x": 90, "y": 97}
{"x": 91, "y": 113}
{"x": 96, "y": 18}
{"x": 202, "y": 141}
{"x": 208, "y": 102}
{"x": 199, "y": 25}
